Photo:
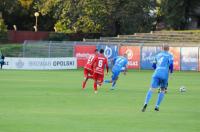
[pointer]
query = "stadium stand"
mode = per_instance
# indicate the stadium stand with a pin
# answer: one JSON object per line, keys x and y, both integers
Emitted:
{"x": 173, "y": 38}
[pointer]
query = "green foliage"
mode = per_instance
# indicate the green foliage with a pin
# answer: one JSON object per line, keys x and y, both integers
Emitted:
{"x": 107, "y": 16}
{"x": 3, "y": 31}
{"x": 3, "y": 37}
{"x": 14, "y": 13}
{"x": 3, "y": 27}
{"x": 86, "y": 25}
{"x": 26, "y": 3}
{"x": 134, "y": 16}
{"x": 77, "y": 17}
{"x": 21, "y": 14}
{"x": 11, "y": 50}
{"x": 175, "y": 13}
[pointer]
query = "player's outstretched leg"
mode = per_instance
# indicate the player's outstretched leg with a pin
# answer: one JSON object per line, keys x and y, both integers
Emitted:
{"x": 84, "y": 83}
{"x": 107, "y": 81}
{"x": 144, "y": 107}
{"x": 159, "y": 99}
{"x": 95, "y": 77}
{"x": 95, "y": 87}
{"x": 113, "y": 85}
{"x": 147, "y": 99}
{"x": 114, "y": 80}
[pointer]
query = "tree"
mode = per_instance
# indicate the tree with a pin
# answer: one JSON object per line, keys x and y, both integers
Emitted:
{"x": 3, "y": 27}
{"x": 75, "y": 15}
{"x": 3, "y": 31}
{"x": 109, "y": 17}
{"x": 134, "y": 16}
{"x": 175, "y": 13}
{"x": 26, "y": 3}
{"x": 21, "y": 14}
{"x": 15, "y": 14}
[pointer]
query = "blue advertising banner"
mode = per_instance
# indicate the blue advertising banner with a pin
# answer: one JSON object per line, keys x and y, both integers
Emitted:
{"x": 110, "y": 51}
{"x": 189, "y": 58}
{"x": 148, "y": 55}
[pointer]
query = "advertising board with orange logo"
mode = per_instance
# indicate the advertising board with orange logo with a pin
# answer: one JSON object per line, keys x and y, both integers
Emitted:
{"x": 133, "y": 53}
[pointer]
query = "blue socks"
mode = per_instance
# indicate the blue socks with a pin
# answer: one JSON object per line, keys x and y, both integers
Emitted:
{"x": 106, "y": 81}
{"x": 113, "y": 84}
{"x": 160, "y": 98}
{"x": 148, "y": 97}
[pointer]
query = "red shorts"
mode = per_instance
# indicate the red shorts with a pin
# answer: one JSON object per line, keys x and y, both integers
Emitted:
{"x": 88, "y": 73}
{"x": 98, "y": 77}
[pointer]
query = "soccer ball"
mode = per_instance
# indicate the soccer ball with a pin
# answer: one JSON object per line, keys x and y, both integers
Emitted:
{"x": 182, "y": 89}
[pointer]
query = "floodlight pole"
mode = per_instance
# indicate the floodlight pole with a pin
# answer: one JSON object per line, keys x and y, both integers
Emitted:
{"x": 36, "y": 14}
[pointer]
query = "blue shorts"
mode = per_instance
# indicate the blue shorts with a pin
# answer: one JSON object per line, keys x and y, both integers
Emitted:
{"x": 159, "y": 83}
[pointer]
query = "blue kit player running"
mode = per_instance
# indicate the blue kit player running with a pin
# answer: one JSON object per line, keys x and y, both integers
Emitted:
{"x": 163, "y": 65}
{"x": 119, "y": 65}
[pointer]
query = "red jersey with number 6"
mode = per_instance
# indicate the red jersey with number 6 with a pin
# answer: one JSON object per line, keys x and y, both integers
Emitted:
{"x": 100, "y": 64}
{"x": 90, "y": 62}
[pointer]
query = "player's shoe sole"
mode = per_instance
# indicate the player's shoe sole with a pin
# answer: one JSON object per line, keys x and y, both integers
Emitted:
{"x": 144, "y": 108}
{"x": 156, "y": 109}
{"x": 112, "y": 88}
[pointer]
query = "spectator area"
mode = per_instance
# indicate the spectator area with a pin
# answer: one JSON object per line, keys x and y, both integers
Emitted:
{"x": 173, "y": 38}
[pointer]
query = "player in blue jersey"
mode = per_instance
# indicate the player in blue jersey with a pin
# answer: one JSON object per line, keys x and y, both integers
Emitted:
{"x": 119, "y": 65}
{"x": 163, "y": 65}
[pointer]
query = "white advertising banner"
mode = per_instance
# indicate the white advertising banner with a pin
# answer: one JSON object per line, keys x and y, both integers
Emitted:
{"x": 40, "y": 63}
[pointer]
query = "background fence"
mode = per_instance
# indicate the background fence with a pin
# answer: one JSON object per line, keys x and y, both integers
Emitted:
{"x": 47, "y": 49}
{"x": 140, "y": 56}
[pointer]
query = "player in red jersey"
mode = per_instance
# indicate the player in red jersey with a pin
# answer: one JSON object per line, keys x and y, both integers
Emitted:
{"x": 88, "y": 68}
{"x": 100, "y": 64}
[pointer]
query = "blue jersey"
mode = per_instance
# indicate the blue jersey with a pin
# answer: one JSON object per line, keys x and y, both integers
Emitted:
{"x": 164, "y": 63}
{"x": 119, "y": 63}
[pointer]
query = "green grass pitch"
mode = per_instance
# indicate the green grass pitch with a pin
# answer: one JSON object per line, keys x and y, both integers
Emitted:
{"x": 53, "y": 101}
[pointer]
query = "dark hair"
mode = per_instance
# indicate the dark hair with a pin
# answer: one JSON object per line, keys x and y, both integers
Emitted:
{"x": 165, "y": 47}
{"x": 101, "y": 51}
{"x": 96, "y": 50}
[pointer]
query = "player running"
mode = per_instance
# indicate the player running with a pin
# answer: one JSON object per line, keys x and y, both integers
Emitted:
{"x": 163, "y": 65}
{"x": 2, "y": 60}
{"x": 120, "y": 65}
{"x": 89, "y": 67}
{"x": 100, "y": 63}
